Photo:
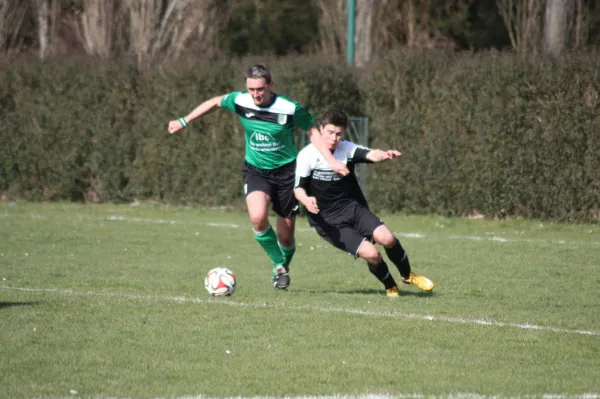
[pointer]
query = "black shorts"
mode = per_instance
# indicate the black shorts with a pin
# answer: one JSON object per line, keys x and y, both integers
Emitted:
{"x": 276, "y": 183}
{"x": 347, "y": 229}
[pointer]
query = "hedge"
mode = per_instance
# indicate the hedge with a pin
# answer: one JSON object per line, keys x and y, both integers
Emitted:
{"x": 489, "y": 132}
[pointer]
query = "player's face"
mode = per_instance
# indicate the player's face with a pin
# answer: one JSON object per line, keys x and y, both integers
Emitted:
{"x": 332, "y": 135}
{"x": 259, "y": 90}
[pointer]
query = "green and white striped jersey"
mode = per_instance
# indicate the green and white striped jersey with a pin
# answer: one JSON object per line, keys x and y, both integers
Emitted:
{"x": 269, "y": 130}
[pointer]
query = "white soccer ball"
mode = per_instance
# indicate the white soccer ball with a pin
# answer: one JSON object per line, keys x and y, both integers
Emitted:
{"x": 220, "y": 281}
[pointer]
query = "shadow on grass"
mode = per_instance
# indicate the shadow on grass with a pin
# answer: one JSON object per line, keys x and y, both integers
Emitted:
{"x": 4, "y": 305}
{"x": 382, "y": 293}
{"x": 369, "y": 291}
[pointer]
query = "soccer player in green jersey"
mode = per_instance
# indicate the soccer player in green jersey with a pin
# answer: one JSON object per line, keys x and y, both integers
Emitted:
{"x": 269, "y": 121}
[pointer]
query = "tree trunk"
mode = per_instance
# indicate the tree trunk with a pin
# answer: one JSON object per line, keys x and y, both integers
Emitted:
{"x": 410, "y": 22}
{"x": 557, "y": 26}
{"x": 366, "y": 11}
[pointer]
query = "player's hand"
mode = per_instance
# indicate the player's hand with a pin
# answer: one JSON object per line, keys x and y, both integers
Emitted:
{"x": 392, "y": 154}
{"x": 174, "y": 126}
{"x": 339, "y": 167}
{"x": 311, "y": 205}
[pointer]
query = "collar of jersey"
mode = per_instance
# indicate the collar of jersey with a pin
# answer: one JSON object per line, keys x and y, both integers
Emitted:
{"x": 271, "y": 103}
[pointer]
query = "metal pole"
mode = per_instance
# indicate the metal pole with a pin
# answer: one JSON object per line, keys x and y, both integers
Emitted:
{"x": 351, "y": 28}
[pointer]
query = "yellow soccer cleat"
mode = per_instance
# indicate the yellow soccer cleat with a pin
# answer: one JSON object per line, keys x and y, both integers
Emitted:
{"x": 422, "y": 283}
{"x": 392, "y": 291}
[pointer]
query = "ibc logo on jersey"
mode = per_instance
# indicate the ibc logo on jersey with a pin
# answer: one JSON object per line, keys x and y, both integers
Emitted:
{"x": 260, "y": 137}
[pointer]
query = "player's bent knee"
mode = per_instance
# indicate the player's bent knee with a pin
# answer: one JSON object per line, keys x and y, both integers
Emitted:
{"x": 259, "y": 222}
{"x": 258, "y": 208}
{"x": 368, "y": 252}
{"x": 382, "y": 235}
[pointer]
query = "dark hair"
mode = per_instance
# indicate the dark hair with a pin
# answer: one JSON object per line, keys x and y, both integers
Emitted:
{"x": 335, "y": 117}
{"x": 259, "y": 72}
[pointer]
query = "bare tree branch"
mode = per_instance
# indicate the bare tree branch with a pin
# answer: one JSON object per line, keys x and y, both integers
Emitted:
{"x": 48, "y": 17}
{"x": 384, "y": 24}
{"x": 332, "y": 26}
{"x": 162, "y": 29}
{"x": 97, "y": 26}
{"x": 578, "y": 28}
{"x": 12, "y": 14}
{"x": 523, "y": 21}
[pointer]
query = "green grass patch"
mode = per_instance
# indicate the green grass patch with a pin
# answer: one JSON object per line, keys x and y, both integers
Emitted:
{"x": 108, "y": 301}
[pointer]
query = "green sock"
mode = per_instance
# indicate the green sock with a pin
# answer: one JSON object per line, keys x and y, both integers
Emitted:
{"x": 268, "y": 241}
{"x": 288, "y": 254}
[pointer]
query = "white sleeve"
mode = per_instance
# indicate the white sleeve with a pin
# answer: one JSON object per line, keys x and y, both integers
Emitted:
{"x": 351, "y": 149}
{"x": 347, "y": 149}
{"x": 355, "y": 152}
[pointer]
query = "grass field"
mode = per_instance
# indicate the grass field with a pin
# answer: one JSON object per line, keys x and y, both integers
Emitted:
{"x": 108, "y": 302}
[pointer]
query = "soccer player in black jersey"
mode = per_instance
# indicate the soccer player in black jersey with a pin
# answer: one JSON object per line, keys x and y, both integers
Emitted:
{"x": 338, "y": 210}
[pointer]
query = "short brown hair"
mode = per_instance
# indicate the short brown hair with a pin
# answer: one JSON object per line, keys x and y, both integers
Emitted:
{"x": 259, "y": 71}
{"x": 335, "y": 117}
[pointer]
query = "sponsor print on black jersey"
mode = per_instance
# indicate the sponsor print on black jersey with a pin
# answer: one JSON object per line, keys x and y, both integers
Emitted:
{"x": 332, "y": 190}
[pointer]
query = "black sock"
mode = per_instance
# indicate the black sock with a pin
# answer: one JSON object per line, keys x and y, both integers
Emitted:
{"x": 399, "y": 258}
{"x": 382, "y": 273}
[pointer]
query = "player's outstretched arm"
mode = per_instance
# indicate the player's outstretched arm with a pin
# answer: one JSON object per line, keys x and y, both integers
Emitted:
{"x": 380, "y": 155}
{"x": 309, "y": 202}
{"x": 205, "y": 108}
{"x": 317, "y": 141}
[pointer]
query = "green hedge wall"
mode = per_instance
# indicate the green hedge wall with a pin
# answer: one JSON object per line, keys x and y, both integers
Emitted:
{"x": 83, "y": 130}
{"x": 488, "y": 133}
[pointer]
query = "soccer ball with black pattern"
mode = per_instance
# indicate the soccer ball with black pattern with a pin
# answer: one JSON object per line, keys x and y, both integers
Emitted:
{"x": 220, "y": 281}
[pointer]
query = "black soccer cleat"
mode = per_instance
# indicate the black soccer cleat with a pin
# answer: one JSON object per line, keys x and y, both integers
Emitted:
{"x": 281, "y": 278}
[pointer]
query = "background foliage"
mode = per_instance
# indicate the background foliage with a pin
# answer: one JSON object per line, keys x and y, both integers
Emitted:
{"x": 487, "y": 133}
{"x": 493, "y": 103}
{"x": 160, "y": 31}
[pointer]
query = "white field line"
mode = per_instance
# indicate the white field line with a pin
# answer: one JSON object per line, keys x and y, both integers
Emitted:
{"x": 458, "y": 395}
{"x": 361, "y": 312}
{"x": 502, "y": 239}
{"x": 491, "y": 237}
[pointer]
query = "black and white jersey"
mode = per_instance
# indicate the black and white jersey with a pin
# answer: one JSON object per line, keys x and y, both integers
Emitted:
{"x": 332, "y": 190}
